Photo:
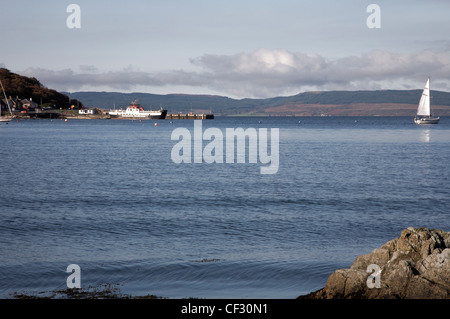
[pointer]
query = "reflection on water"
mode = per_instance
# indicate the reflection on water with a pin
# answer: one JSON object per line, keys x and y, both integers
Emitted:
{"x": 425, "y": 136}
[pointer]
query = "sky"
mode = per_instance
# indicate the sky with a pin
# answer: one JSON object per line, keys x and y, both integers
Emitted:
{"x": 239, "y": 49}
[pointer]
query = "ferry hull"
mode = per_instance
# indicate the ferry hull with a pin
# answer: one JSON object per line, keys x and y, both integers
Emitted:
{"x": 141, "y": 116}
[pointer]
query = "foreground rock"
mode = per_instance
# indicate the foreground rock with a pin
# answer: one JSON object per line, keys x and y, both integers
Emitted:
{"x": 416, "y": 265}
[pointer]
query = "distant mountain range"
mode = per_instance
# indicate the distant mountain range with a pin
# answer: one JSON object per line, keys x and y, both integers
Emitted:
{"x": 332, "y": 103}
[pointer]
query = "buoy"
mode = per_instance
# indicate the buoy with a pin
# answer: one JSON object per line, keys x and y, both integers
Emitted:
{"x": 156, "y": 124}
{"x": 65, "y": 120}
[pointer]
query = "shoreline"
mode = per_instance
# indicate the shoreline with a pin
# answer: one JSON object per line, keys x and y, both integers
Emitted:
{"x": 103, "y": 291}
{"x": 106, "y": 117}
{"x": 415, "y": 265}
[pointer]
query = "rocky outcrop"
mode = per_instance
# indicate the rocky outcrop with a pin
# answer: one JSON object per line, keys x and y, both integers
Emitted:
{"x": 414, "y": 266}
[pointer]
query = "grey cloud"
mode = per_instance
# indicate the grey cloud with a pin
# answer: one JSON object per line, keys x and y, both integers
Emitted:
{"x": 88, "y": 68}
{"x": 279, "y": 71}
{"x": 267, "y": 72}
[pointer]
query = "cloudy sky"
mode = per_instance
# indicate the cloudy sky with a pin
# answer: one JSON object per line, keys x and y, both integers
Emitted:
{"x": 237, "y": 48}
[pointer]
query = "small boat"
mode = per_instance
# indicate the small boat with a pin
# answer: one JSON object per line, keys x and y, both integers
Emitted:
{"x": 135, "y": 111}
{"x": 5, "y": 119}
{"x": 423, "y": 115}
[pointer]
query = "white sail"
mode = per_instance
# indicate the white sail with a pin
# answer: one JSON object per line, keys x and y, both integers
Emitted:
{"x": 424, "y": 104}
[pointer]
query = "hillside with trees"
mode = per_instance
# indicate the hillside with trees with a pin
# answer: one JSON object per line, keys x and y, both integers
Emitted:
{"x": 21, "y": 87}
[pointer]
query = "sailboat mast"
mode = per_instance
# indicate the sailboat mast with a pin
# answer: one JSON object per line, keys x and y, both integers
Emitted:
{"x": 429, "y": 96}
{"x": 424, "y": 115}
{"x": 6, "y": 99}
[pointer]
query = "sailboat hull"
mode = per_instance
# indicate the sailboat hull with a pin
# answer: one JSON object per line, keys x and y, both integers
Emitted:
{"x": 427, "y": 120}
{"x": 4, "y": 119}
{"x": 423, "y": 115}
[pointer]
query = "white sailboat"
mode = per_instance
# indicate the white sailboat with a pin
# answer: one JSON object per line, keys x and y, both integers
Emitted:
{"x": 4, "y": 119}
{"x": 423, "y": 115}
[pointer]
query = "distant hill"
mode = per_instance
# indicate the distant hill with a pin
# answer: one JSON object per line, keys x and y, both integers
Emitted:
{"x": 335, "y": 103}
{"x": 344, "y": 103}
{"x": 22, "y": 87}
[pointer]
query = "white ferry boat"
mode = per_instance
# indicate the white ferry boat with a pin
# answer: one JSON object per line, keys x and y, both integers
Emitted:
{"x": 135, "y": 111}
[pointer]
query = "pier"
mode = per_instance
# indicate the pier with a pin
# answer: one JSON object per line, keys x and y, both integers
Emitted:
{"x": 104, "y": 114}
{"x": 189, "y": 116}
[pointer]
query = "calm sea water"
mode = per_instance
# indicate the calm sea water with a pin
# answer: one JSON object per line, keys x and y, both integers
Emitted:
{"x": 107, "y": 196}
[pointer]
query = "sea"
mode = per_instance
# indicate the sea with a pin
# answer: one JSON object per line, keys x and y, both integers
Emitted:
{"x": 107, "y": 196}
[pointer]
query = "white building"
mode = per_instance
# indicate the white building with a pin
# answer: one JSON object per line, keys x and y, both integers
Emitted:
{"x": 86, "y": 112}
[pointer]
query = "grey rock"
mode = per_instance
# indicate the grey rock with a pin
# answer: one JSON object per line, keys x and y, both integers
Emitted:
{"x": 414, "y": 266}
